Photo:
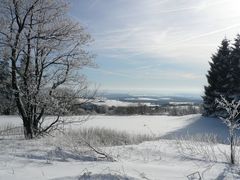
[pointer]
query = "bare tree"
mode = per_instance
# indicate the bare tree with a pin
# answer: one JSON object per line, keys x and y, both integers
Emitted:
{"x": 232, "y": 120}
{"x": 45, "y": 49}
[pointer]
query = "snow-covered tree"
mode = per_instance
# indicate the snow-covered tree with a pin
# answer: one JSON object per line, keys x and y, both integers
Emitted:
{"x": 231, "y": 119}
{"x": 218, "y": 77}
{"x": 45, "y": 53}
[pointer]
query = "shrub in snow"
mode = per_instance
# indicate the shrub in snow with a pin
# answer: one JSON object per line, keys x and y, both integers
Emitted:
{"x": 231, "y": 120}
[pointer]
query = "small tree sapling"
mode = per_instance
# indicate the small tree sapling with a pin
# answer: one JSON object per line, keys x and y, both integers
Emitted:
{"x": 231, "y": 119}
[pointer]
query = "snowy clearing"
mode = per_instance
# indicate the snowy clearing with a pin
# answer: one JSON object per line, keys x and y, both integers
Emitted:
{"x": 150, "y": 160}
{"x": 170, "y": 158}
{"x": 165, "y": 126}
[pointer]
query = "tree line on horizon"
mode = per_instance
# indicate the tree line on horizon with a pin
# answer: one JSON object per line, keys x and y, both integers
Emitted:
{"x": 223, "y": 77}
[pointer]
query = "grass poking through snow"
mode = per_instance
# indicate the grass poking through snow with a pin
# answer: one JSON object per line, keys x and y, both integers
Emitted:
{"x": 107, "y": 137}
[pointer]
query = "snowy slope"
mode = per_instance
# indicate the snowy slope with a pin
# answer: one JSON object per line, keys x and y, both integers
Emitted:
{"x": 157, "y": 160}
{"x": 165, "y": 126}
{"x": 157, "y": 125}
{"x": 140, "y": 124}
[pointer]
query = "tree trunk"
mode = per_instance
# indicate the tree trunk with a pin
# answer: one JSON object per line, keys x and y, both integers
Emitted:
{"x": 28, "y": 129}
{"x": 35, "y": 127}
{"x": 232, "y": 148}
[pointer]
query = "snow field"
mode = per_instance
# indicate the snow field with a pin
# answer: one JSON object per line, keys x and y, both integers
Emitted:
{"x": 175, "y": 156}
{"x": 150, "y": 160}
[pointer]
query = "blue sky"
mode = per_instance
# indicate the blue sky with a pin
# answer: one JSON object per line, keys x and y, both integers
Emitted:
{"x": 155, "y": 46}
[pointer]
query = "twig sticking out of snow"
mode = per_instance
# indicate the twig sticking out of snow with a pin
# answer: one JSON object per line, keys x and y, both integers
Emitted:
{"x": 195, "y": 175}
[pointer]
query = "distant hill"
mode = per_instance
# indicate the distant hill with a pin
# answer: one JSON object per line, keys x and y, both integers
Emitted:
{"x": 157, "y": 100}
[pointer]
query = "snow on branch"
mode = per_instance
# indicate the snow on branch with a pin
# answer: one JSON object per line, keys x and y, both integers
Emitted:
{"x": 232, "y": 108}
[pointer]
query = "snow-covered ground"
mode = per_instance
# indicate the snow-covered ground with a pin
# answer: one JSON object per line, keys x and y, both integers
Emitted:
{"x": 116, "y": 103}
{"x": 140, "y": 124}
{"x": 166, "y": 126}
{"x": 181, "y": 103}
{"x": 108, "y": 102}
{"x": 168, "y": 158}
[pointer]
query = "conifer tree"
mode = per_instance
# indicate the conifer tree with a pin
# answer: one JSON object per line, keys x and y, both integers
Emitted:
{"x": 5, "y": 88}
{"x": 235, "y": 69}
{"x": 219, "y": 79}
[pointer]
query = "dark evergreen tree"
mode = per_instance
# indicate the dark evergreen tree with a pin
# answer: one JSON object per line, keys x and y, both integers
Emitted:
{"x": 6, "y": 100}
{"x": 235, "y": 69}
{"x": 219, "y": 79}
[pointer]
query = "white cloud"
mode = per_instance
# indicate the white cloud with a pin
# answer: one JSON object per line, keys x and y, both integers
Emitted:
{"x": 151, "y": 73}
{"x": 179, "y": 29}
{"x": 157, "y": 38}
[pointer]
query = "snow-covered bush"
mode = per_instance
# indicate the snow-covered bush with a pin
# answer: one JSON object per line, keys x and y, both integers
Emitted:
{"x": 203, "y": 146}
{"x": 232, "y": 121}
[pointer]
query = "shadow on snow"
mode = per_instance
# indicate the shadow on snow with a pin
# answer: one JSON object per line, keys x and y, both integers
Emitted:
{"x": 59, "y": 155}
{"x": 202, "y": 126}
